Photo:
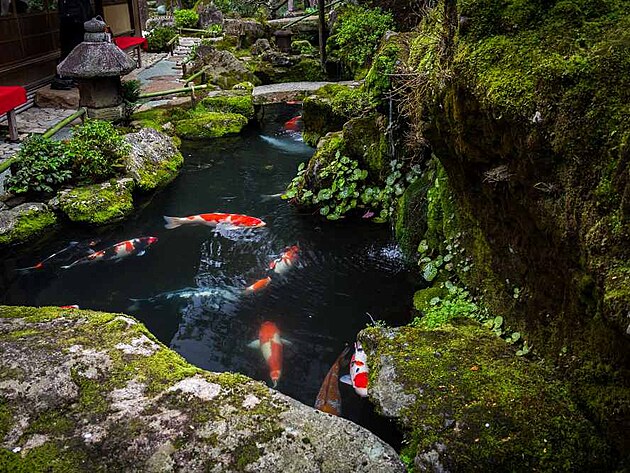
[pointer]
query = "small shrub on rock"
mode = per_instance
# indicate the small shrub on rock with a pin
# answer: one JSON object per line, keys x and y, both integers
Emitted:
{"x": 97, "y": 151}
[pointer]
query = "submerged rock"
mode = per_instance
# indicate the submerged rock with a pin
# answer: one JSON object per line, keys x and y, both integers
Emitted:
{"x": 24, "y": 222}
{"x": 469, "y": 404}
{"x": 154, "y": 160}
{"x": 98, "y": 204}
{"x": 90, "y": 391}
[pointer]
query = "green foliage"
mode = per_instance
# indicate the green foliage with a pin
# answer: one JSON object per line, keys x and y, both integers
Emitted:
{"x": 377, "y": 80}
{"x": 303, "y": 46}
{"x": 185, "y": 18}
{"x": 131, "y": 90}
{"x": 96, "y": 150}
{"x": 159, "y": 37}
{"x": 244, "y": 8}
{"x": 351, "y": 102}
{"x": 214, "y": 30}
{"x": 41, "y": 166}
{"x": 358, "y": 34}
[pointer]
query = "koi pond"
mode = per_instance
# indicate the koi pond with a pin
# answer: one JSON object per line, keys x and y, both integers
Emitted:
{"x": 188, "y": 288}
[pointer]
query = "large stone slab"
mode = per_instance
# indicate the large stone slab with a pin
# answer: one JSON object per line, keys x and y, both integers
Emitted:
{"x": 90, "y": 391}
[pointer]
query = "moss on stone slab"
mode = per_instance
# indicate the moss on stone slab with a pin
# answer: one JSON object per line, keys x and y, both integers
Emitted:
{"x": 366, "y": 140}
{"x": 98, "y": 204}
{"x": 410, "y": 223}
{"x": 241, "y": 104}
{"x": 28, "y": 225}
{"x": 471, "y": 404}
{"x": 210, "y": 125}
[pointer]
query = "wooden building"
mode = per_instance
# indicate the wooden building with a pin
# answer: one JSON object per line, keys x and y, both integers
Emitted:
{"x": 29, "y": 36}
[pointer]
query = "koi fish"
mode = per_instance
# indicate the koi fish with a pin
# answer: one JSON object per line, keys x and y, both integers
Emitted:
{"x": 293, "y": 124}
{"x": 185, "y": 294}
{"x": 293, "y": 102}
{"x": 258, "y": 285}
{"x": 285, "y": 261}
{"x": 358, "y": 378}
{"x": 73, "y": 306}
{"x": 329, "y": 399}
{"x": 270, "y": 345}
{"x": 40, "y": 265}
{"x": 136, "y": 246}
{"x": 214, "y": 219}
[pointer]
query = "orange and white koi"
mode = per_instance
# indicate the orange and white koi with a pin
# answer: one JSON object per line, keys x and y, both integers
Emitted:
{"x": 214, "y": 219}
{"x": 258, "y": 285}
{"x": 133, "y": 247}
{"x": 73, "y": 306}
{"x": 358, "y": 378}
{"x": 329, "y": 398}
{"x": 270, "y": 345}
{"x": 286, "y": 260}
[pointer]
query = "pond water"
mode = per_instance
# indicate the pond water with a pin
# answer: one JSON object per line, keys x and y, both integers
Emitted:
{"x": 344, "y": 269}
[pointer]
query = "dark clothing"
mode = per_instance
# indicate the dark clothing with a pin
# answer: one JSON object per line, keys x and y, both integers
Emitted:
{"x": 72, "y": 15}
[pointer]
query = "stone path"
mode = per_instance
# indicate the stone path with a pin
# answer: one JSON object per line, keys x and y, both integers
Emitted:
{"x": 275, "y": 93}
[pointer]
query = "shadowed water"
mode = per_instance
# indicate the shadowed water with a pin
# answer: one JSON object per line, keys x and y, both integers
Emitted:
{"x": 188, "y": 287}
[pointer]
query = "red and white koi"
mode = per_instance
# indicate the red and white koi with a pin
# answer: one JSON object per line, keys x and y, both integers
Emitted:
{"x": 358, "y": 378}
{"x": 293, "y": 124}
{"x": 73, "y": 306}
{"x": 270, "y": 345}
{"x": 214, "y": 219}
{"x": 286, "y": 260}
{"x": 40, "y": 265}
{"x": 134, "y": 247}
{"x": 258, "y": 285}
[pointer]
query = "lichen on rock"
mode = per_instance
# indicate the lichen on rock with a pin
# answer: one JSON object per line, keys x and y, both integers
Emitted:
{"x": 90, "y": 391}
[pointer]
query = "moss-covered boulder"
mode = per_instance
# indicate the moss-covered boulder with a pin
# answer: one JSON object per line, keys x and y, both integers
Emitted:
{"x": 233, "y": 102}
{"x": 98, "y": 204}
{"x": 329, "y": 108}
{"x": 210, "y": 125}
{"x": 153, "y": 160}
{"x": 366, "y": 139}
{"x": 91, "y": 391}
{"x": 25, "y": 222}
{"x": 468, "y": 403}
{"x": 221, "y": 67}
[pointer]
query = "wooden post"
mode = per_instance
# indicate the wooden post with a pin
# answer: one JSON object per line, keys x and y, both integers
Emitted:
{"x": 322, "y": 34}
{"x": 13, "y": 133}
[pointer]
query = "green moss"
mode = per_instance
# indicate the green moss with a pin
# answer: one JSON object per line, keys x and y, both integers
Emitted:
{"x": 29, "y": 225}
{"x": 411, "y": 215}
{"x": 366, "y": 140}
{"x": 6, "y": 419}
{"x": 159, "y": 175}
{"x": 303, "y": 46}
{"x": 422, "y": 299}
{"x": 241, "y": 104}
{"x": 491, "y": 409}
{"x": 49, "y": 458}
{"x": 210, "y": 125}
{"x": 98, "y": 204}
{"x": 51, "y": 422}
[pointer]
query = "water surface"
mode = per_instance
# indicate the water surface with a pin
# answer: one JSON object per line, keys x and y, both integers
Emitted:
{"x": 345, "y": 269}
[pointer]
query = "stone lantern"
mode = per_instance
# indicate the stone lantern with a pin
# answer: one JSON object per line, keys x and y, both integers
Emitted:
{"x": 97, "y": 64}
{"x": 283, "y": 40}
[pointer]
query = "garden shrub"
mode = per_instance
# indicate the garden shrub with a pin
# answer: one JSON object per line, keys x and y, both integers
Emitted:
{"x": 186, "y": 18}
{"x": 41, "y": 166}
{"x": 159, "y": 37}
{"x": 358, "y": 34}
{"x": 96, "y": 150}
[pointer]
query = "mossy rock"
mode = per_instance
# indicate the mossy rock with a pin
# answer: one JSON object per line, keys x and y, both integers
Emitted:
{"x": 154, "y": 159}
{"x": 230, "y": 103}
{"x": 422, "y": 299}
{"x": 91, "y": 391}
{"x": 25, "y": 222}
{"x": 210, "y": 125}
{"x": 366, "y": 141}
{"x": 98, "y": 204}
{"x": 468, "y": 403}
{"x": 410, "y": 222}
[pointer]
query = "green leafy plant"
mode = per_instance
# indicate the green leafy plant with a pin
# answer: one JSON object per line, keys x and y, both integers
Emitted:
{"x": 185, "y": 18}
{"x": 42, "y": 166}
{"x": 97, "y": 151}
{"x": 214, "y": 30}
{"x": 358, "y": 34}
{"x": 131, "y": 90}
{"x": 159, "y": 37}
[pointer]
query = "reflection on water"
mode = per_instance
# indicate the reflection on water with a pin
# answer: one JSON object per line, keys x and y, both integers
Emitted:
{"x": 188, "y": 288}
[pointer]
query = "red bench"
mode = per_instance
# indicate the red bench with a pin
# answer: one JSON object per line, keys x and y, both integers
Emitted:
{"x": 128, "y": 42}
{"x": 11, "y": 97}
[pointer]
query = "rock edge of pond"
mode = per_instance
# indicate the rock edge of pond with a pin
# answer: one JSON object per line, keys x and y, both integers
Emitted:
{"x": 94, "y": 391}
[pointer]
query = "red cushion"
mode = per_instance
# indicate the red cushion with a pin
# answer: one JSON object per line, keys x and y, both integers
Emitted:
{"x": 124, "y": 42}
{"x": 11, "y": 97}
